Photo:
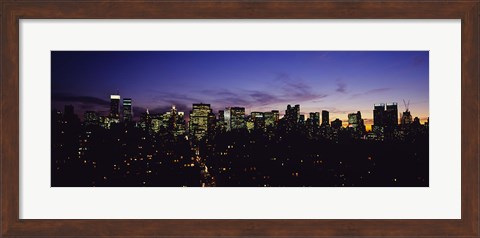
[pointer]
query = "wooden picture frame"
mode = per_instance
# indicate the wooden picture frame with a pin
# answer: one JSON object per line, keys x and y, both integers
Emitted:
{"x": 12, "y": 11}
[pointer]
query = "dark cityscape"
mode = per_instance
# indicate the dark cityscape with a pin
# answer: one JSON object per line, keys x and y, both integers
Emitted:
{"x": 199, "y": 133}
{"x": 231, "y": 149}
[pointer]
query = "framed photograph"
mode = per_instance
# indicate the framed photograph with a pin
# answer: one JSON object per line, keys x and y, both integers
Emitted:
{"x": 239, "y": 118}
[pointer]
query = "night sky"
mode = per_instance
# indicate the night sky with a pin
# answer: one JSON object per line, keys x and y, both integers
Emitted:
{"x": 341, "y": 82}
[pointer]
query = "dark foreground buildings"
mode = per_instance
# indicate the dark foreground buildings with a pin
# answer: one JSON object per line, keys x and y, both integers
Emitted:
{"x": 233, "y": 149}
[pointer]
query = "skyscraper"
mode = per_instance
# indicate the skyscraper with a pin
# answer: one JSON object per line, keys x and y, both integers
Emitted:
{"x": 385, "y": 119}
{"x": 258, "y": 120}
{"x": 378, "y": 115}
{"x": 337, "y": 124}
{"x": 271, "y": 118}
{"x": 114, "y": 106}
{"x": 292, "y": 116}
{"x": 91, "y": 118}
{"x": 325, "y": 118}
{"x": 199, "y": 120}
{"x": 127, "y": 110}
{"x": 315, "y": 118}
{"x": 227, "y": 119}
{"x": 355, "y": 122}
{"x": 237, "y": 118}
{"x": 406, "y": 118}
{"x": 391, "y": 115}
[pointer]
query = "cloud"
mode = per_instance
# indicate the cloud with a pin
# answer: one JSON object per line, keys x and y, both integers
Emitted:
{"x": 377, "y": 90}
{"x": 285, "y": 90}
{"x": 296, "y": 90}
{"x": 79, "y": 99}
{"x": 341, "y": 87}
{"x": 263, "y": 98}
{"x": 372, "y": 91}
{"x": 336, "y": 110}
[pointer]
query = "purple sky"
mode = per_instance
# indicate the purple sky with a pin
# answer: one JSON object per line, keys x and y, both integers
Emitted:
{"x": 338, "y": 81}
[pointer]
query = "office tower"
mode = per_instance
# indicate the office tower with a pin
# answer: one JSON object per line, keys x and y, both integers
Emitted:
{"x": 315, "y": 118}
{"x": 337, "y": 124}
{"x": 221, "y": 125}
{"x": 250, "y": 123}
{"x": 325, "y": 118}
{"x": 292, "y": 116}
{"x": 227, "y": 119}
{"x": 406, "y": 118}
{"x": 146, "y": 121}
{"x": 416, "y": 121}
{"x": 355, "y": 121}
{"x": 172, "y": 119}
{"x": 237, "y": 118}
{"x": 181, "y": 127}
{"x": 234, "y": 118}
{"x": 301, "y": 120}
{"x": 276, "y": 116}
{"x": 391, "y": 115}
{"x": 221, "y": 116}
{"x": 156, "y": 123}
{"x": 258, "y": 120}
{"x": 114, "y": 106}
{"x": 104, "y": 121}
{"x": 212, "y": 121}
{"x": 91, "y": 118}
{"x": 127, "y": 110}
{"x": 271, "y": 118}
{"x": 378, "y": 115}
{"x": 199, "y": 120}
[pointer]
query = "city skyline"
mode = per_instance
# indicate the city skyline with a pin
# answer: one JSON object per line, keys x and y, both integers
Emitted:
{"x": 340, "y": 82}
{"x": 128, "y": 101}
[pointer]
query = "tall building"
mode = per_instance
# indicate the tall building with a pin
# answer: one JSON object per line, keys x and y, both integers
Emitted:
{"x": 199, "y": 120}
{"x": 146, "y": 121}
{"x": 355, "y": 122}
{"x": 221, "y": 120}
{"x": 385, "y": 118}
{"x": 416, "y": 121}
{"x": 172, "y": 119}
{"x": 271, "y": 118}
{"x": 391, "y": 114}
{"x": 91, "y": 118}
{"x": 127, "y": 110}
{"x": 406, "y": 118}
{"x": 292, "y": 116}
{"x": 227, "y": 119}
{"x": 221, "y": 116}
{"x": 258, "y": 120}
{"x": 301, "y": 120}
{"x": 315, "y": 118}
{"x": 180, "y": 126}
{"x": 337, "y": 124}
{"x": 114, "y": 106}
{"x": 237, "y": 118}
{"x": 325, "y": 118}
{"x": 379, "y": 115}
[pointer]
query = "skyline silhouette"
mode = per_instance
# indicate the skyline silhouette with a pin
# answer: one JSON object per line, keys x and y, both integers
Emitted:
{"x": 338, "y": 81}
